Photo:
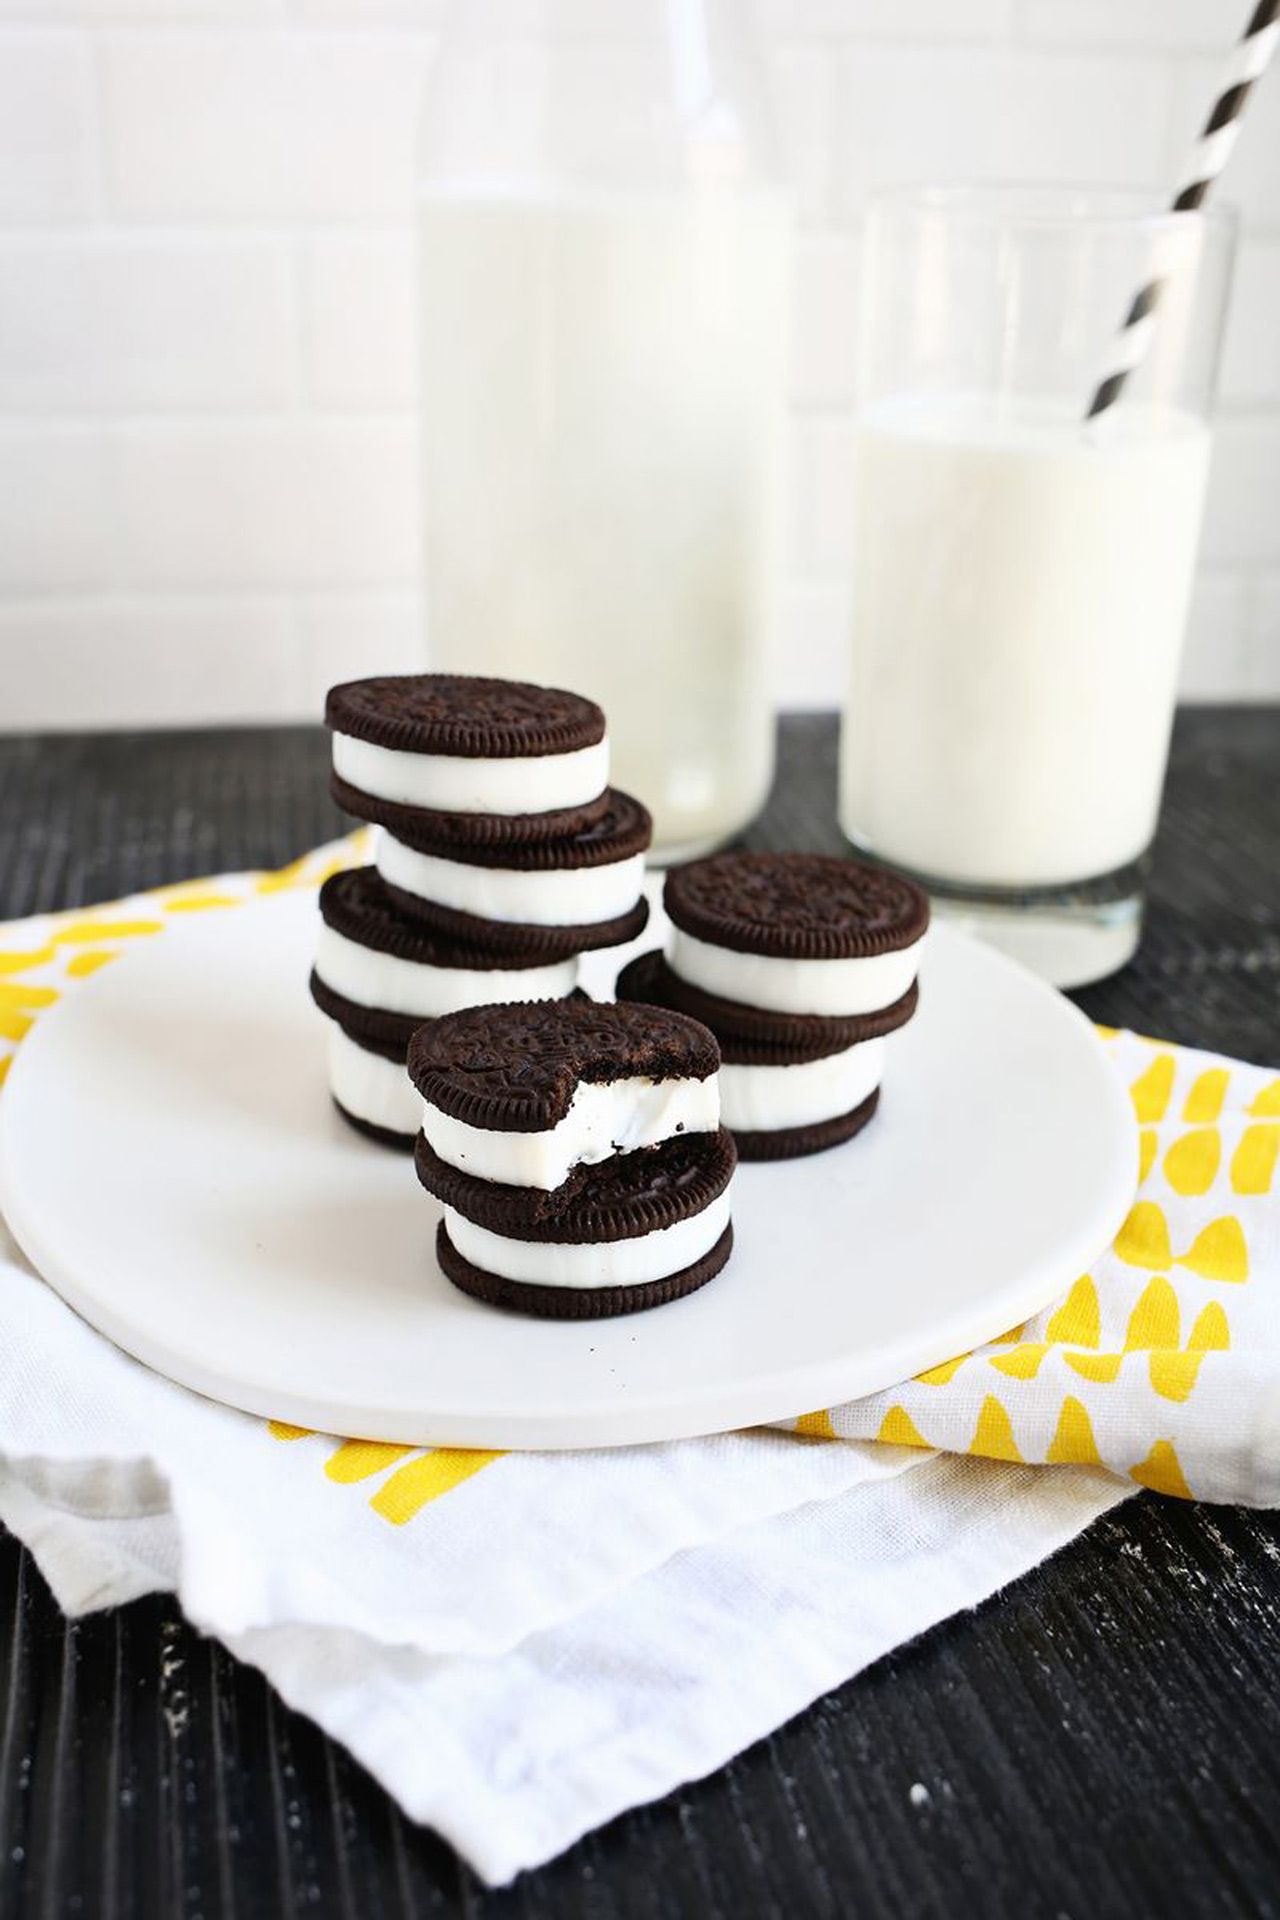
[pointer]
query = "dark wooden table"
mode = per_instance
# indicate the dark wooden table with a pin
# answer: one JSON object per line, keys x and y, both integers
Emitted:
{"x": 1102, "y": 1739}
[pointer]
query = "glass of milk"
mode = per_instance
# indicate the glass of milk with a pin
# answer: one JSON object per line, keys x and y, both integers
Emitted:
{"x": 1021, "y": 575}
{"x": 604, "y": 269}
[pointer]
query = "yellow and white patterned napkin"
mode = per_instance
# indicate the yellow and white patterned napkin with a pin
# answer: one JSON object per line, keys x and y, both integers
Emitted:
{"x": 520, "y": 1646}
{"x": 1162, "y": 1363}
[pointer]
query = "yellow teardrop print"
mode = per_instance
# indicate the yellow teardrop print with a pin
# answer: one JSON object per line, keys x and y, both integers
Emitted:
{"x": 1266, "y": 1105}
{"x": 1099, "y": 1367}
{"x": 1218, "y": 1252}
{"x": 440, "y": 1470}
{"x": 1022, "y": 1363}
{"x": 21, "y": 961}
{"x": 81, "y": 965}
{"x": 1162, "y": 1472}
{"x": 357, "y": 1459}
{"x": 939, "y": 1376}
{"x": 82, "y": 933}
{"x": 993, "y": 1435}
{"x": 898, "y": 1429}
{"x": 1148, "y": 1142}
{"x": 1204, "y": 1102}
{"x": 1191, "y": 1164}
{"x": 16, "y": 994}
{"x": 1211, "y": 1332}
{"x": 1173, "y": 1375}
{"x": 1073, "y": 1442}
{"x": 816, "y": 1426}
{"x": 1152, "y": 1088}
{"x": 1143, "y": 1240}
{"x": 1155, "y": 1321}
{"x": 1253, "y": 1164}
{"x": 1078, "y": 1321}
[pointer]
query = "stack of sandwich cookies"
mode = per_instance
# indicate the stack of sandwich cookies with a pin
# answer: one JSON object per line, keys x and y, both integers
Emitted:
{"x": 802, "y": 966}
{"x": 379, "y": 975}
{"x": 577, "y": 1152}
{"x": 502, "y": 855}
{"x": 553, "y": 897}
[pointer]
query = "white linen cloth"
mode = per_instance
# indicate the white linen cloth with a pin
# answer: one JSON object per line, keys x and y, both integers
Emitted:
{"x": 517, "y": 1646}
{"x": 554, "y": 1640}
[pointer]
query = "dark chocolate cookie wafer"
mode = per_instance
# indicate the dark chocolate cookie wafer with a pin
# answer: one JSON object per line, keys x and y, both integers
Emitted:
{"x": 577, "y": 1303}
{"x": 463, "y": 716}
{"x": 516, "y": 1068}
{"x": 385, "y": 1137}
{"x": 620, "y": 1199}
{"x": 791, "y": 1143}
{"x": 621, "y": 831}
{"x": 357, "y": 905}
{"x": 417, "y": 826}
{"x": 371, "y": 1027}
{"x": 796, "y": 906}
{"x": 540, "y": 944}
{"x": 805, "y": 1036}
{"x": 374, "y": 1026}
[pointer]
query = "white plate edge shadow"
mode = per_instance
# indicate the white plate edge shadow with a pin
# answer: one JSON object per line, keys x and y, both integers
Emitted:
{"x": 821, "y": 1383}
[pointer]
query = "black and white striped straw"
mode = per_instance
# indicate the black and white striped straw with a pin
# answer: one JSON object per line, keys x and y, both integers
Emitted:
{"x": 1208, "y": 157}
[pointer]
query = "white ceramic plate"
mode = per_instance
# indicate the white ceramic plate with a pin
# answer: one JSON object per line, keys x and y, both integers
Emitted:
{"x": 171, "y": 1163}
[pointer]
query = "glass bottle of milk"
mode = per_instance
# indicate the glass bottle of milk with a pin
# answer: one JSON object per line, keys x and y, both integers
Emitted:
{"x": 1022, "y": 572}
{"x": 604, "y": 267}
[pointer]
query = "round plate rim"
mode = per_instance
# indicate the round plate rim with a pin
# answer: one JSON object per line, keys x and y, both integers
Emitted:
{"x": 820, "y": 1384}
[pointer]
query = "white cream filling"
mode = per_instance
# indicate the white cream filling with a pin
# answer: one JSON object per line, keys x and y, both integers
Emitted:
{"x": 609, "y": 1263}
{"x": 602, "y": 1121}
{"x": 395, "y": 985}
{"x": 564, "y": 897}
{"x": 371, "y": 1086}
{"x": 454, "y": 783}
{"x": 828, "y": 987}
{"x": 765, "y": 1099}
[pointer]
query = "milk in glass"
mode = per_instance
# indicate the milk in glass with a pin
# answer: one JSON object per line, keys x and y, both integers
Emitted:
{"x": 1020, "y": 596}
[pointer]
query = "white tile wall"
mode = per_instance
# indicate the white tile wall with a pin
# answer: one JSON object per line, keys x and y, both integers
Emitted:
{"x": 208, "y": 496}
{"x": 48, "y": 127}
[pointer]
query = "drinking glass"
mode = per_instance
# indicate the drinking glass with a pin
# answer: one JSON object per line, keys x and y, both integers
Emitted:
{"x": 1022, "y": 573}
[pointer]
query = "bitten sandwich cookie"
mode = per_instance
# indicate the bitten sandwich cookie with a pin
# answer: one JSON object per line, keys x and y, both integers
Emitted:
{"x": 523, "y": 1095}
{"x": 781, "y": 1099}
{"x": 795, "y": 933}
{"x": 578, "y": 1152}
{"x": 550, "y": 897}
{"x": 381, "y": 974}
{"x": 486, "y": 759}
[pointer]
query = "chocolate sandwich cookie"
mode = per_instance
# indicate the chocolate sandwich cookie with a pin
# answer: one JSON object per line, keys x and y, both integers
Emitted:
{"x": 648, "y": 977}
{"x": 812, "y": 1091}
{"x": 644, "y": 1228}
{"x": 795, "y": 933}
{"x": 380, "y": 974}
{"x": 549, "y": 897}
{"x": 371, "y": 1089}
{"x": 487, "y": 759}
{"x": 528, "y": 1097}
